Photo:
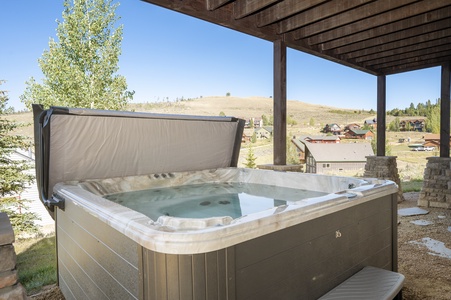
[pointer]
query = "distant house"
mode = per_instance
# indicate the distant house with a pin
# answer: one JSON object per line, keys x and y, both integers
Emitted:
{"x": 412, "y": 125}
{"x": 359, "y": 134}
{"x": 324, "y": 158}
{"x": 300, "y": 141}
{"x": 264, "y": 132}
{"x": 352, "y": 126}
{"x": 247, "y": 135}
{"x": 333, "y": 128}
{"x": 432, "y": 140}
{"x": 257, "y": 122}
{"x": 371, "y": 123}
{"x": 320, "y": 139}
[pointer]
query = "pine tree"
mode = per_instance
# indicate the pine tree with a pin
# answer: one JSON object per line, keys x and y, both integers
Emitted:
{"x": 250, "y": 158}
{"x": 13, "y": 178}
{"x": 80, "y": 67}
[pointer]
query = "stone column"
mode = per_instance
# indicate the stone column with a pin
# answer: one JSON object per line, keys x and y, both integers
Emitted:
{"x": 436, "y": 190}
{"x": 10, "y": 288}
{"x": 384, "y": 167}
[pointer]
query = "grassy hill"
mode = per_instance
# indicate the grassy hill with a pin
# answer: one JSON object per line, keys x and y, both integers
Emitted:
{"x": 411, "y": 165}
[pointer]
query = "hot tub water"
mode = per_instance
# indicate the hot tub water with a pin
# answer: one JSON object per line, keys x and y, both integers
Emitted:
{"x": 208, "y": 200}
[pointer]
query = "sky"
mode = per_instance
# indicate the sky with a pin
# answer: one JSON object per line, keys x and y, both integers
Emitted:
{"x": 168, "y": 55}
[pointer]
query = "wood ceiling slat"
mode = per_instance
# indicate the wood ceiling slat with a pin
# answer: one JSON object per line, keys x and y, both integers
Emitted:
{"x": 408, "y": 51}
{"x": 361, "y": 13}
{"x": 214, "y": 4}
{"x": 393, "y": 42}
{"x": 393, "y": 57}
{"x": 443, "y": 18}
{"x": 243, "y": 8}
{"x": 375, "y": 36}
{"x": 375, "y": 21}
{"x": 318, "y": 13}
{"x": 285, "y": 9}
{"x": 434, "y": 62}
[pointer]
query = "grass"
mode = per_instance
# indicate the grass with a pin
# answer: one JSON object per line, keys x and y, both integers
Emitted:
{"x": 412, "y": 185}
{"x": 36, "y": 262}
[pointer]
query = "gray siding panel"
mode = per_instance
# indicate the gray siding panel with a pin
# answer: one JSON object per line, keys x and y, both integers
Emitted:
{"x": 104, "y": 263}
{"x": 187, "y": 277}
{"x": 321, "y": 253}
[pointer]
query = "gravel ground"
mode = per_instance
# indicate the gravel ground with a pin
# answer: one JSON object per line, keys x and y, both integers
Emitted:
{"x": 428, "y": 275}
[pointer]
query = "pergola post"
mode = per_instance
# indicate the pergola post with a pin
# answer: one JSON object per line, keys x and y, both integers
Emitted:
{"x": 381, "y": 114}
{"x": 445, "y": 109}
{"x": 436, "y": 191}
{"x": 280, "y": 103}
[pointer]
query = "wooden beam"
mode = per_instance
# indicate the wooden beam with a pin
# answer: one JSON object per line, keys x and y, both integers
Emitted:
{"x": 285, "y": 9}
{"x": 379, "y": 20}
{"x": 355, "y": 20}
{"x": 445, "y": 109}
{"x": 406, "y": 52}
{"x": 430, "y": 22}
{"x": 280, "y": 103}
{"x": 433, "y": 62}
{"x": 418, "y": 57}
{"x": 381, "y": 117}
{"x": 374, "y": 46}
{"x": 318, "y": 13}
{"x": 214, "y": 4}
{"x": 243, "y": 8}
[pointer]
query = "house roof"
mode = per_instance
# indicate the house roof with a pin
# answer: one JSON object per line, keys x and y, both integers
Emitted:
{"x": 319, "y": 137}
{"x": 359, "y": 131}
{"x": 376, "y": 36}
{"x": 355, "y": 152}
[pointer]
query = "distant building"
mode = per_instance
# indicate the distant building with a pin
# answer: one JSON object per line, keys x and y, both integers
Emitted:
{"x": 333, "y": 128}
{"x": 432, "y": 140}
{"x": 371, "y": 123}
{"x": 359, "y": 134}
{"x": 352, "y": 126}
{"x": 324, "y": 158}
{"x": 264, "y": 132}
{"x": 412, "y": 125}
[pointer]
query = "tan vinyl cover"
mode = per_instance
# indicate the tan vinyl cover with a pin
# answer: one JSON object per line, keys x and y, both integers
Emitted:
{"x": 98, "y": 147}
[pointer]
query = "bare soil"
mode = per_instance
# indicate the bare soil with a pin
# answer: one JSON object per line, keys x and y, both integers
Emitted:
{"x": 428, "y": 277}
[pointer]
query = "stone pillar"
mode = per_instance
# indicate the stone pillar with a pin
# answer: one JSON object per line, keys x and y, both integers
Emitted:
{"x": 436, "y": 190}
{"x": 384, "y": 167}
{"x": 10, "y": 288}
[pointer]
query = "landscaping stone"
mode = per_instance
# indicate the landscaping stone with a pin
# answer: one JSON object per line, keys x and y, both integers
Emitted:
{"x": 8, "y": 278}
{"x": 7, "y": 258}
{"x": 436, "y": 191}
{"x": 15, "y": 292}
{"x": 384, "y": 167}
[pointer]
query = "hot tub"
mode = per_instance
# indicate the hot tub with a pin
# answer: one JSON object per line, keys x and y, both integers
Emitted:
{"x": 198, "y": 227}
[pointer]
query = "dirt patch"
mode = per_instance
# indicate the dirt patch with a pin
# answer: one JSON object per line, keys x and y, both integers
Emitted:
{"x": 428, "y": 276}
{"x": 49, "y": 292}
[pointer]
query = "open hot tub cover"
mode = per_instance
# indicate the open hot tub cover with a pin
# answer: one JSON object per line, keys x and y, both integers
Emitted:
{"x": 77, "y": 144}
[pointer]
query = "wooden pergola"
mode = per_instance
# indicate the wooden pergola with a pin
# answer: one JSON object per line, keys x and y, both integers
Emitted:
{"x": 378, "y": 37}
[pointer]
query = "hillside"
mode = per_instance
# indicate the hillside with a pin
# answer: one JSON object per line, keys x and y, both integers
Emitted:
{"x": 411, "y": 165}
{"x": 255, "y": 107}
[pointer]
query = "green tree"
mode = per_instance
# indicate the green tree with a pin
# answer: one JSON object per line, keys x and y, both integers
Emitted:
{"x": 311, "y": 122}
{"x": 292, "y": 153}
{"x": 13, "y": 178}
{"x": 394, "y": 125}
{"x": 254, "y": 138}
{"x": 250, "y": 158}
{"x": 265, "y": 120}
{"x": 222, "y": 114}
{"x": 433, "y": 120}
{"x": 80, "y": 67}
